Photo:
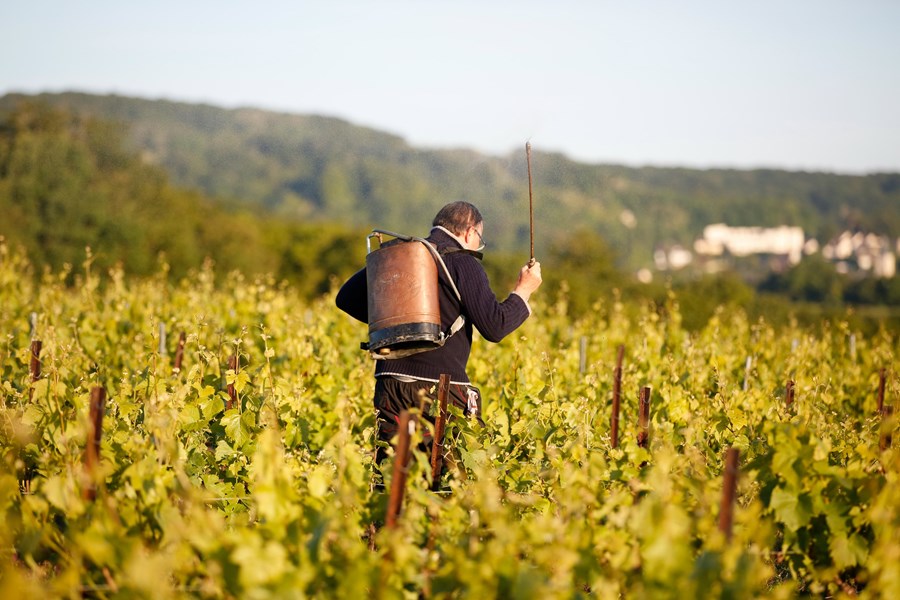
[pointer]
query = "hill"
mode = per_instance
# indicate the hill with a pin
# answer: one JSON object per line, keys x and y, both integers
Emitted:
{"x": 69, "y": 182}
{"x": 313, "y": 168}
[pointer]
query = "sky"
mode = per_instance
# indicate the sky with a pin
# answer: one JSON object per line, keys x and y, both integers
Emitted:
{"x": 797, "y": 84}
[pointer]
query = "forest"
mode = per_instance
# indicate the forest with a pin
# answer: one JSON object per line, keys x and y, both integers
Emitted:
{"x": 144, "y": 183}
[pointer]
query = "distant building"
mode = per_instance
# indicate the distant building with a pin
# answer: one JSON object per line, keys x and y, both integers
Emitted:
{"x": 852, "y": 252}
{"x": 862, "y": 252}
{"x": 743, "y": 241}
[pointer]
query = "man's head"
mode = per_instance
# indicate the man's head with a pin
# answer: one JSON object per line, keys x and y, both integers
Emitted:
{"x": 464, "y": 221}
{"x": 457, "y": 217}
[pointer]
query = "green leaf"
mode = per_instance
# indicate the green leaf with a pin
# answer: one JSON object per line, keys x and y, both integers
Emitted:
{"x": 241, "y": 381}
{"x": 190, "y": 414}
{"x": 474, "y": 459}
{"x": 223, "y": 450}
{"x": 260, "y": 565}
{"x": 211, "y": 405}
{"x": 791, "y": 509}
{"x": 783, "y": 465}
{"x": 319, "y": 481}
{"x": 501, "y": 422}
{"x": 738, "y": 417}
{"x": 32, "y": 414}
{"x": 835, "y": 517}
{"x": 520, "y": 426}
{"x": 204, "y": 392}
{"x": 235, "y": 428}
{"x": 848, "y": 551}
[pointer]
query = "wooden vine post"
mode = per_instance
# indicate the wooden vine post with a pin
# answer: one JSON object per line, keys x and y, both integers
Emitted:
{"x": 401, "y": 467}
{"x": 789, "y": 393}
{"x": 232, "y": 394}
{"x": 179, "y": 352}
{"x": 726, "y": 509}
{"x": 643, "y": 438}
{"x": 437, "y": 445}
{"x": 35, "y": 365}
{"x": 617, "y": 398}
{"x": 437, "y": 464}
{"x": 882, "y": 376}
{"x": 92, "y": 449}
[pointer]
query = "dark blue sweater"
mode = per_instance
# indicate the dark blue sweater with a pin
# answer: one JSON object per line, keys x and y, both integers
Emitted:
{"x": 493, "y": 319}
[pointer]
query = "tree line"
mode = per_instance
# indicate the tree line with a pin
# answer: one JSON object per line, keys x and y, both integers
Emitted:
{"x": 70, "y": 181}
{"x": 307, "y": 167}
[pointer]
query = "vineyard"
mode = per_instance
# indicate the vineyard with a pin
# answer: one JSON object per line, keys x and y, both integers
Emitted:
{"x": 214, "y": 438}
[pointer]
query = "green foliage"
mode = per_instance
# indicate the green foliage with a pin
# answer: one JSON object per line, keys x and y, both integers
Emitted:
{"x": 67, "y": 183}
{"x": 307, "y": 167}
{"x": 815, "y": 284}
{"x": 813, "y": 279}
{"x": 273, "y": 497}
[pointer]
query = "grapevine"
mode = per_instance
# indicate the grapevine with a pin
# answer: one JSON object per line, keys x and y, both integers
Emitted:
{"x": 236, "y": 455}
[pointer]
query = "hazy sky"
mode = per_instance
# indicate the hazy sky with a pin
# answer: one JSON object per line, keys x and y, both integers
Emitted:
{"x": 811, "y": 84}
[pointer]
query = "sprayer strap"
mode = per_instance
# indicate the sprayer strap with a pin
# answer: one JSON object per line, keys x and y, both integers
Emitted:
{"x": 440, "y": 260}
{"x": 460, "y": 320}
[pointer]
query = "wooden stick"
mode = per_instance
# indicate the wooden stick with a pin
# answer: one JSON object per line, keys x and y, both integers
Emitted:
{"x": 179, "y": 352}
{"x": 437, "y": 463}
{"x": 437, "y": 444}
{"x": 789, "y": 393}
{"x": 726, "y": 509}
{"x": 644, "y": 424}
{"x": 882, "y": 376}
{"x": 530, "y": 201}
{"x": 401, "y": 469}
{"x": 35, "y": 367}
{"x": 95, "y": 432}
{"x": 617, "y": 394}
{"x": 232, "y": 394}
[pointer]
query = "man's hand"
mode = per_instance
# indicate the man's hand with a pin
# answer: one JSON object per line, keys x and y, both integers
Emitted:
{"x": 529, "y": 280}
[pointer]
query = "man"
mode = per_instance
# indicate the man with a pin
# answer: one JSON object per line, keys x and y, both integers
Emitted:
{"x": 457, "y": 233}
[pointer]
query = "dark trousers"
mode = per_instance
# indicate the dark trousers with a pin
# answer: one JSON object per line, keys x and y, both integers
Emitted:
{"x": 393, "y": 396}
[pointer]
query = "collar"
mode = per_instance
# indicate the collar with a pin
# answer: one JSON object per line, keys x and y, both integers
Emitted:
{"x": 450, "y": 233}
{"x": 443, "y": 232}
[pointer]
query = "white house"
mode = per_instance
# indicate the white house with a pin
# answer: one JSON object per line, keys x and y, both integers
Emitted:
{"x": 744, "y": 241}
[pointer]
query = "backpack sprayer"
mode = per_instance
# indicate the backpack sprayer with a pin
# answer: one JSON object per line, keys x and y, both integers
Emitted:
{"x": 403, "y": 297}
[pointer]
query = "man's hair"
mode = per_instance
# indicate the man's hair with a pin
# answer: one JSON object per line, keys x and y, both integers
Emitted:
{"x": 457, "y": 217}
